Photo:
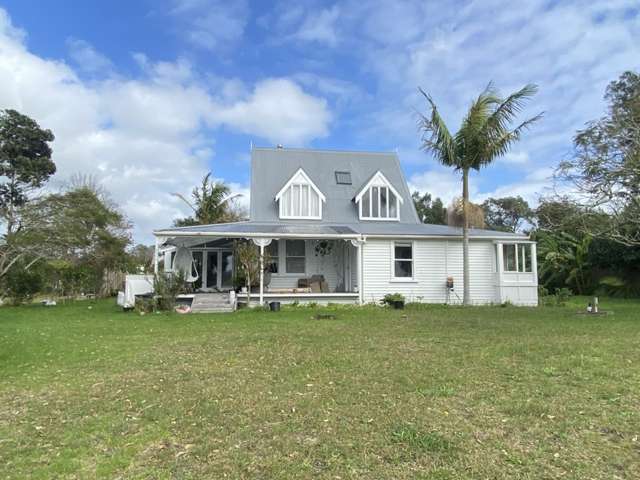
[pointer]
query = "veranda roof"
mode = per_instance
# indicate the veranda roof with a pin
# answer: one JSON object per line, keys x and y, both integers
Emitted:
{"x": 299, "y": 229}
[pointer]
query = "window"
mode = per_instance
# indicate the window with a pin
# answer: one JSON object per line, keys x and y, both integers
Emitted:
{"x": 510, "y": 258}
{"x": 300, "y": 198}
{"x": 343, "y": 178}
{"x": 525, "y": 258}
{"x": 517, "y": 257}
{"x": 295, "y": 256}
{"x": 272, "y": 257}
{"x": 378, "y": 200}
{"x": 403, "y": 260}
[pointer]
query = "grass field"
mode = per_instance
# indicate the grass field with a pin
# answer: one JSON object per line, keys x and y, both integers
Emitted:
{"x": 431, "y": 393}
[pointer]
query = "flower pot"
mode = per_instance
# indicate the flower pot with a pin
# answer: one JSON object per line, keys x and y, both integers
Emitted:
{"x": 274, "y": 306}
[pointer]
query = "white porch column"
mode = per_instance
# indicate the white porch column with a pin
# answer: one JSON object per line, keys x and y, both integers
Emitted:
{"x": 534, "y": 262}
{"x": 358, "y": 244}
{"x": 262, "y": 242}
{"x": 155, "y": 258}
{"x": 500, "y": 269}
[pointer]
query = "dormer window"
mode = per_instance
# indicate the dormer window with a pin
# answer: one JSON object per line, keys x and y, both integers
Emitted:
{"x": 300, "y": 198}
{"x": 378, "y": 200}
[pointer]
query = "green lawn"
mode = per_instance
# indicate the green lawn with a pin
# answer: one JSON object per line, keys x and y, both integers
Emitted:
{"x": 431, "y": 392}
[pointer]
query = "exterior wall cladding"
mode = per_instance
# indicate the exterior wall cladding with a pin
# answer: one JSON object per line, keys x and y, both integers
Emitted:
{"x": 433, "y": 262}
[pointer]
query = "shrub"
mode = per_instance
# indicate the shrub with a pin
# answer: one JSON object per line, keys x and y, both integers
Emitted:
{"x": 167, "y": 286}
{"x": 562, "y": 296}
{"x": 558, "y": 299}
{"x": 623, "y": 286}
{"x": 392, "y": 298}
{"x": 21, "y": 284}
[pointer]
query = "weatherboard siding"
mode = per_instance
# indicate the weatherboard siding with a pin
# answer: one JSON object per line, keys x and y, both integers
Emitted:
{"x": 434, "y": 261}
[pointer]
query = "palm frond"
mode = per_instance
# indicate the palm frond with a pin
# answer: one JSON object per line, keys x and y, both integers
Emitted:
{"x": 499, "y": 146}
{"x": 181, "y": 197}
{"x": 436, "y": 137}
{"x": 508, "y": 108}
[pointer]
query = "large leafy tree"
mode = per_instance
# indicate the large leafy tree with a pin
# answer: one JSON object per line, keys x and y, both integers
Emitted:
{"x": 25, "y": 164}
{"x": 76, "y": 229}
{"x": 566, "y": 261}
{"x": 429, "y": 211}
{"x": 605, "y": 168}
{"x": 508, "y": 214}
{"x": 486, "y": 133}
{"x": 211, "y": 202}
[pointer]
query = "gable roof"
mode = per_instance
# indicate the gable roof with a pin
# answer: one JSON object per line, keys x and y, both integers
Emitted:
{"x": 271, "y": 168}
{"x": 377, "y": 176}
{"x": 301, "y": 173}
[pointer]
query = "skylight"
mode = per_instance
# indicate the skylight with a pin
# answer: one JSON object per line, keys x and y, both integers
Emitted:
{"x": 343, "y": 178}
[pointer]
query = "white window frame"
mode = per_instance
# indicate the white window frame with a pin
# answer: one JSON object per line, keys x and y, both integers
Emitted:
{"x": 404, "y": 243}
{"x": 379, "y": 181}
{"x": 299, "y": 179}
{"x": 520, "y": 266}
{"x": 285, "y": 256}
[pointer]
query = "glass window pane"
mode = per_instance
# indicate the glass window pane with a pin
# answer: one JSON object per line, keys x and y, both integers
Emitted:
{"x": 509, "y": 258}
{"x": 393, "y": 205}
{"x": 403, "y": 252}
{"x": 296, "y": 200}
{"x": 295, "y": 248}
{"x": 227, "y": 269}
{"x": 295, "y": 261}
{"x": 196, "y": 269}
{"x": 295, "y": 264}
{"x": 272, "y": 252}
{"x": 304, "y": 211}
{"x": 383, "y": 202}
{"x": 374, "y": 202}
{"x": 286, "y": 202}
{"x": 315, "y": 204}
{"x": 403, "y": 268}
{"x": 366, "y": 204}
{"x": 212, "y": 269}
{"x": 525, "y": 258}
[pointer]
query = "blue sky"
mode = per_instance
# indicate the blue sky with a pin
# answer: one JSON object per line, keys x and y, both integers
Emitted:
{"x": 148, "y": 96}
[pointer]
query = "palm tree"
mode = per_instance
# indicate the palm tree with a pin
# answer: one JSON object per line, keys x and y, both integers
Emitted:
{"x": 210, "y": 203}
{"x": 485, "y": 134}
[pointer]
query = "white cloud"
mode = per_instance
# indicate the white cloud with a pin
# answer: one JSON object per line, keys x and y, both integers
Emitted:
{"x": 211, "y": 24}
{"x": 279, "y": 110}
{"x": 537, "y": 183}
{"x": 445, "y": 184}
{"x": 86, "y": 57}
{"x": 320, "y": 27}
{"x": 515, "y": 158}
{"x": 143, "y": 138}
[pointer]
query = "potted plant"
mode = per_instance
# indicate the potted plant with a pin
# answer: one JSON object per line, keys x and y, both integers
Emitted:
{"x": 395, "y": 300}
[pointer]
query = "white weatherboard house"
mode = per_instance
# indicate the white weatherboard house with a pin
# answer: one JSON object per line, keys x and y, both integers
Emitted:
{"x": 348, "y": 218}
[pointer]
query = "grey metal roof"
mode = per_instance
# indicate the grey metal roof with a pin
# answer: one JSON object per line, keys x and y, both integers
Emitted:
{"x": 392, "y": 229}
{"x": 271, "y": 168}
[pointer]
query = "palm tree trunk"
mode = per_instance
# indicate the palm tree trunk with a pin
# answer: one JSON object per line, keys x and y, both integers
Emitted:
{"x": 466, "y": 298}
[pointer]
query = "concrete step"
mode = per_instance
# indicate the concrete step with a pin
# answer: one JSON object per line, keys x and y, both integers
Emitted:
{"x": 211, "y": 303}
